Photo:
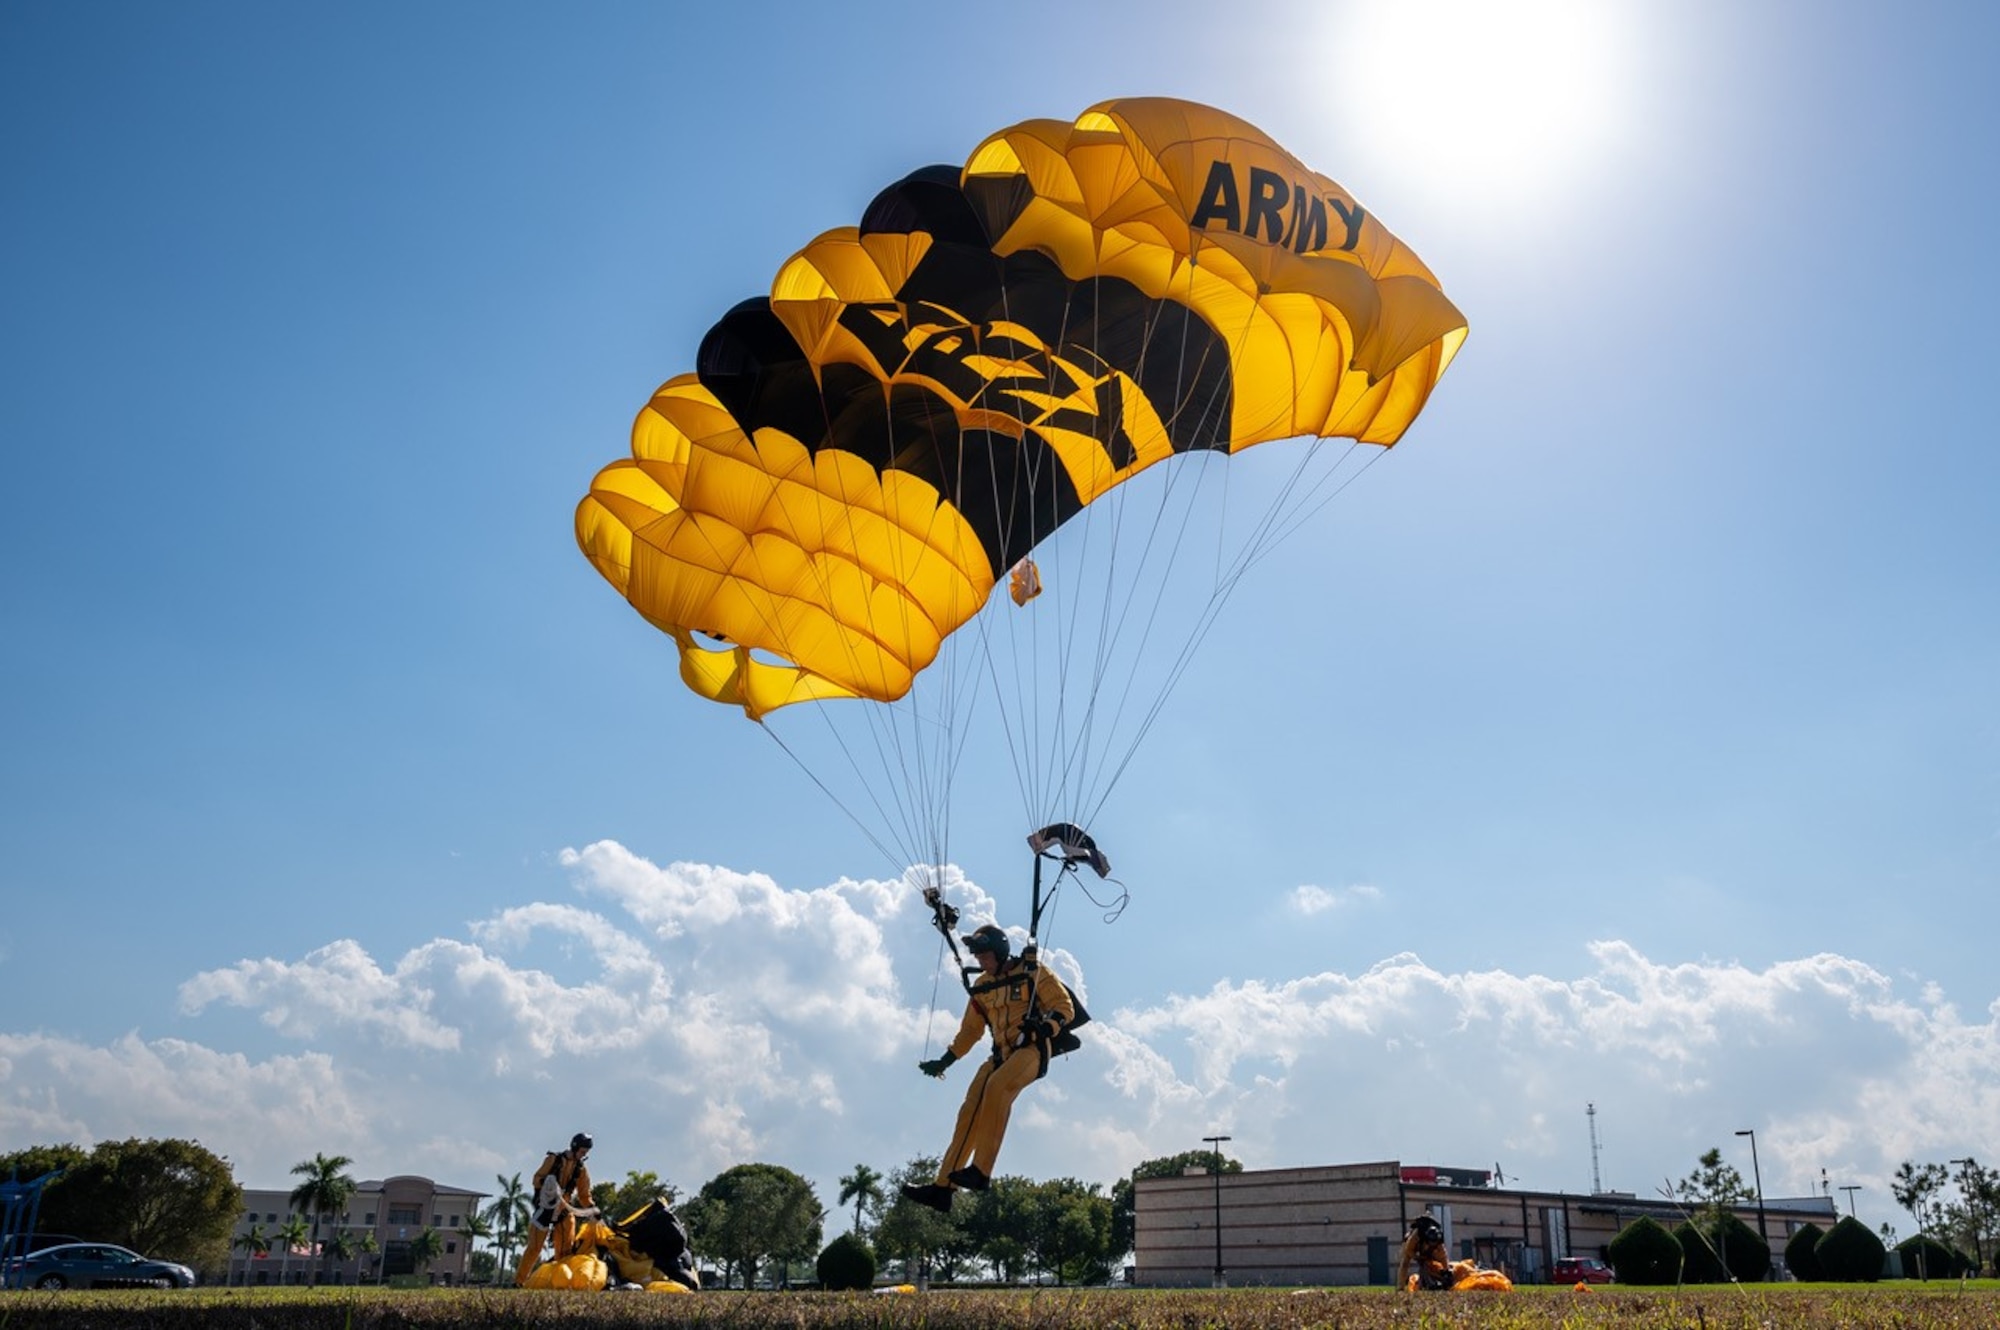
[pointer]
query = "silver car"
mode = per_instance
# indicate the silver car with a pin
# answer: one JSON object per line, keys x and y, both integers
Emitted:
{"x": 94, "y": 1265}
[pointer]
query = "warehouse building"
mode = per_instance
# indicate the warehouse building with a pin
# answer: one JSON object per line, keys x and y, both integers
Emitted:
{"x": 1344, "y": 1223}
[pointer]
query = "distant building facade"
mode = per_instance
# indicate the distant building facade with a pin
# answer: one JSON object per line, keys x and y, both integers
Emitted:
{"x": 392, "y": 1210}
{"x": 1344, "y": 1223}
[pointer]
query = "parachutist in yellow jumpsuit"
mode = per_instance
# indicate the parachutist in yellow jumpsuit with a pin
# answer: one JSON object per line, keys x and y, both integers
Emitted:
{"x": 1424, "y": 1257}
{"x": 561, "y": 1191}
{"x": 1024, "y": 1007}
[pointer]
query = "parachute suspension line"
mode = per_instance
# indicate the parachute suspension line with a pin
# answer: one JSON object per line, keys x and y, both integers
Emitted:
{"x": 937, "y": 973}
{"x": 887, "y": 852}
{"x": 1172, "y": 479}
{"x": 1169, "y": 480}
{"x": 1227, "y": 574}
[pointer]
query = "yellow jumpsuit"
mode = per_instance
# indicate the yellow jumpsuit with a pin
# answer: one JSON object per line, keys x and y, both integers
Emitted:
{"x": 999, "y": 1004}
{"x": 572, "y": 1182}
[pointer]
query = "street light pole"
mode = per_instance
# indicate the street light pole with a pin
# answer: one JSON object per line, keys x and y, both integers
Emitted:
{"x": 1763, "y": 1235}
{"x": 1850, "y": 1188}
{"x": 1215, "y": 1146}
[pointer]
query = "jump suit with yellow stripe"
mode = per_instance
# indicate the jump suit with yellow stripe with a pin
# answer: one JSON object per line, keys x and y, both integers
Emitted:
{"x": 998, "y": 1005}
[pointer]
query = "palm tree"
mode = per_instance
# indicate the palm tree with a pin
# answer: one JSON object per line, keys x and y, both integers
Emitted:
{"x": 426, "y": 1247}
{"x": 252, "y": 1244}
{"x": 294, "y": 1234}
{"x": 509, "y": 1213}
{"x": 477, "y": 1229}
{"x": 864, "y": 1184}
{"x": 326, "y": 1189}
{"x": 366, "y": 1245}
{"x": 343, "y": 1246}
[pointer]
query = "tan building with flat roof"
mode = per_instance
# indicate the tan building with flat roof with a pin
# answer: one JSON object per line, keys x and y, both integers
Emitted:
{"x": 1344, "y": 1223}
{"x": 394, "y": 1210}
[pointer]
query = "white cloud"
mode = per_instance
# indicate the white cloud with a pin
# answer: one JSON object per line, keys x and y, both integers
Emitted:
{"x": 699, "y": 1017}
{"x": 1310, "y": 900}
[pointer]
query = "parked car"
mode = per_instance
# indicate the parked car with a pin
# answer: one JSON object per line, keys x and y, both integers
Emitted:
{"x": 94, "y": 1265}
{"x": 1580, "y": 1270}
{"x": 19, "y": 1244}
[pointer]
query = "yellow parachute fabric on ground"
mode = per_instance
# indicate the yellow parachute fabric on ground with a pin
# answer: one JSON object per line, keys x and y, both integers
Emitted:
{"x": 580, "y": 1271}
{"x": 862, "y": 456}
{"x": 1492, "y": 1280}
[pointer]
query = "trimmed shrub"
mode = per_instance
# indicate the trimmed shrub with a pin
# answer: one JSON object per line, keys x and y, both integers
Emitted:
{"x": 847, "y": 1262}
{"x": 1800, "y": 1258}
{"x": 1924, "y": 1257}
{"x": 1850, "y": 1253}
{"x": 1747, "y": 1255}
{"x": 1699, "y": 1263}
{"x": 1644, "y": 1253}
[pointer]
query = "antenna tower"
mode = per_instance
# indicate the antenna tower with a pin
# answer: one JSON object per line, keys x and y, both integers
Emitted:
{"x": 1596, "y": 1179}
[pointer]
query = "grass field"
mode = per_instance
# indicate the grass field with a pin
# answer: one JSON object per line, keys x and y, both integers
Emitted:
{"x": 1936, "y": 1306}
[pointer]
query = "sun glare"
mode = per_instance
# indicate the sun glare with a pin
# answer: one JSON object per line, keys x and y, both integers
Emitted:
{"x": 1485, "y": 94}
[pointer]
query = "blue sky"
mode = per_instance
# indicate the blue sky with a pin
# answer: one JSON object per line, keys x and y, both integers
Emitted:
{"x": 1629, "y": 734}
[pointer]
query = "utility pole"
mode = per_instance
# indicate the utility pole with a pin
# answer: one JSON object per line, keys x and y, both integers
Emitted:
{"x": 1596, "y": 1181}
{"x": 1215, "y": 1145}
{"x": 1850, "y": 1188}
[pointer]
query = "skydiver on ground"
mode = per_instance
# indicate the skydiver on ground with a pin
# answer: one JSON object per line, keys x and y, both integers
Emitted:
{"x": 1022, "y": 1009}
{"x": 1425, "y": 1255}
{"x": 562, "y": 1193}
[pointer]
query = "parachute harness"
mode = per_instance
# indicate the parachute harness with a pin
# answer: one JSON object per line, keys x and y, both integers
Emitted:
{"x": 1069, "y": 845}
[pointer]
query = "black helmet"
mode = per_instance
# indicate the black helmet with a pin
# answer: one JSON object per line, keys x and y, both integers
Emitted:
{"x": 1428, "y": 1228}
{"x": 991, "y": 938}
{"x": 580, "y": 1141}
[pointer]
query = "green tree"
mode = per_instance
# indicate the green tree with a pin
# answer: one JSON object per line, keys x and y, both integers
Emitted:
{"x": 846, "y": 1263}
{"x": 292, "y": 1235}
{"x": 1644, "y": 1252}
{"x": 1800, "y": 1257}
{"x": 915, "y": 1234}
{"x": 256, "y": 1242}
{"x": 168, "y": 1198}
{"x": 1976, "y": 1213}
{"x": 477, "y": 1229}
{"x": 1713, "y": 1190}
{"x": 1849, "y": 1253}
{"x": 1071, "y": 1233}
{"x": 326, "y": 1190}
{"x": 342, "y": 1247}
{"x": 1916, "y": 1187}
{"x": 863, "y": 1187}
{"x": 752, "y": 1212}
{"x": 426, "y": 1247}
{"x": 368, "y": 1248}
{"x": 622, "y": 1199}
{"x": 509, "y": 1214}
{"x": 1125, "y": 1190}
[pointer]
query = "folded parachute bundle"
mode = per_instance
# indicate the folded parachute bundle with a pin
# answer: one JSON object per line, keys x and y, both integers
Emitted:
{"x": 648, "y": 1248}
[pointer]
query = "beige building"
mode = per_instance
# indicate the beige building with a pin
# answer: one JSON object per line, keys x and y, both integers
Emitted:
{"x": 1344, "y": 1223}
{"x": 395, "y": 1210}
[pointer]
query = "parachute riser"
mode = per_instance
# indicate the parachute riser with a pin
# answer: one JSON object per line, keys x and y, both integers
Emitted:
{"x": 944, "y": 918}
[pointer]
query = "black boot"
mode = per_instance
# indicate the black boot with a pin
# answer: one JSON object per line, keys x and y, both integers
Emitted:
{"x": 969, "y": 1178}
{"x": 929, "y": 1193}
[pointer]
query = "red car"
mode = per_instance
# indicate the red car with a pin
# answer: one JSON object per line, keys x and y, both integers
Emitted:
{"x": 1580, "y": 1270}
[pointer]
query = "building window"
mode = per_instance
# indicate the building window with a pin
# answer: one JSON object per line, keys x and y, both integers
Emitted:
{"x": 450, "y": 1248}
{"x": 436, "y": 1222}
{"x": 452, "y": 1221}
{"x": 405, "y": 1214}
{"x": 370, "y": 1220}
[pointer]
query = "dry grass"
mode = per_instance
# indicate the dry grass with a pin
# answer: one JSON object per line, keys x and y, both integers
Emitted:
{"x": 1782, "y": 1307}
